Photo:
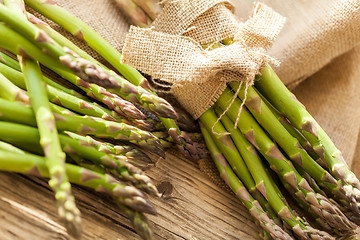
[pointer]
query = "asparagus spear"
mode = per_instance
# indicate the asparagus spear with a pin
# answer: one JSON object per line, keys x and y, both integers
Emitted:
{"x": 254, "y": 133}
{"x": 78, "y": 28}
{"x": 81, "y": 67}
{"x": 15, "y": 112}
{"x": 121, "y": 106}
{"x": 12, "y": 93}
{"x": 238, "y": 188}
{"x": 10, "y": 148}
{"x": 74, "y": 103}
{"x": 91, "y": 179}
{"x": 85, "y": 69}
{"x": 283, "y": 100}
{"x": 291, "y": 145}
{"x": 283, "y": 211}
{"x": 20, "y": 45}
{"x": 23, "y": 135}
{"x": 55, "y": 158}
{"x": 12, "y": 64}
{"x": 139, "y": 222}
{"x": 126, "y": 153}
{"x": 239, "y": 166}
{"x": 35, "y": 165}
{"x": 143, "y": 124}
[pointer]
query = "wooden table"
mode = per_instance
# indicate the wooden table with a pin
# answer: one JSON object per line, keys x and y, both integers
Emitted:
{"x": 196, "y": 209}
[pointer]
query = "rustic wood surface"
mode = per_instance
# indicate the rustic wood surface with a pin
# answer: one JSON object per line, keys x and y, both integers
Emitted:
{"x": 196, "y": 209}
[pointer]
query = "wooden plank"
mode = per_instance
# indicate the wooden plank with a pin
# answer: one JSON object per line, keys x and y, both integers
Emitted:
{"x": 196, "y": 209}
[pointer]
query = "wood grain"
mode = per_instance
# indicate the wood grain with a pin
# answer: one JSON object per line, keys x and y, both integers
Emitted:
{"x": 196, "y": 209}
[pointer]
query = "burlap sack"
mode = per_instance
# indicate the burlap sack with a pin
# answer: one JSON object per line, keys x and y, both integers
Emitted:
{"x": 317, "y": 44}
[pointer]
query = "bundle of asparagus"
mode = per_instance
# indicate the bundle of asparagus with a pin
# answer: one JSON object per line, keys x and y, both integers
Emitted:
{"x": 52, "y": 131}
{"x": 275, "y": 131}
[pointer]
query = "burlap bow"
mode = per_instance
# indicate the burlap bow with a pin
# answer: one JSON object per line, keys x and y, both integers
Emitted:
{"x": 172, "y": 50}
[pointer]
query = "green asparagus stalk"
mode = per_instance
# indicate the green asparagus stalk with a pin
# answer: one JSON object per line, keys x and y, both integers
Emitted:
{"x": 78, "y": 28}
{"x": 263, "y": 180}
{"x": 283, "y": 100}
{"x": 139, "y": 222}
{"x": 12, "y": 64}
{"x": 283, "y": 211}
{"x": 84, "y": 69}
{"x": 126, "y": 153}
{"x": 60, "y": 39}
{"x": 21, "y": 45}
{"x": 56, "y": 96}
{"x": 239, "y": 166}
{"x": 291, "y": 145}
{"x": 142, "y": 124}
{"x": 12, "y": 93}
{"x": 96, "y": 181}
{"x": 74, "y": 103}
{"x": 15, "y": 112}
{"x": 23, "y": 135}
{"x": 239, "y": 189}
{"x": 67, "y": 43}
{"x": 35, "y": 165}
{"x": 49, "y": 140}
{"x": 81, "y": 30}
{"x": 293, "y": 131}
{"x": 279, "y": 133}
{"x": 285, "y": 169}
{"x": 10, "y": 148}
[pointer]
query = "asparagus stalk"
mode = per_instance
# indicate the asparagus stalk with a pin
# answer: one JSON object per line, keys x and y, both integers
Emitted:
{"x": 264, "y": 182}
{"x": 15, "y": 112}
{"x": 239, "y": 189}
{"x": 10, "y": 148}
{"x": 12, "y": 93}
{"x": 283, "y": 211}
{"x": 291, "y": 145}
{"x": 49, "y": 140}
{"x": 81, "y": 30}
{"x": 285, "y": 169}
{"x": 239, "y": 166}
{"x": 11, "y": 64}
{"x": 13, "y": 158}
{"x": 139, "y": 222}
{"x": 74, "y": 103}
{"x": 78, "y": 28}
{"x": 126, "y": 153}
{"x": 35, "y": 165}
{"x": 23, "y": 135}
{"x": 67, "y": 43}
{"x": 85, "y": 69}
{"x": 276, "y": 92}
{"x": 20, "y": 45}
{"x": 93, "y": 180}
